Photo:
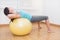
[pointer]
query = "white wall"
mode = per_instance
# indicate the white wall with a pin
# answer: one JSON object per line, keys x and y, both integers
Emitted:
{"x": 3, "y": 4}
{"x": 52, "y": 9}
{"x": 3, "y": 18}
{"x": 34, "y": 7}
{"x": 8, "y": 3}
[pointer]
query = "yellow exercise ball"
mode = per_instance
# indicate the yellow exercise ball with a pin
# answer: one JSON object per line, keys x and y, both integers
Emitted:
{"x": 21, "y": 26}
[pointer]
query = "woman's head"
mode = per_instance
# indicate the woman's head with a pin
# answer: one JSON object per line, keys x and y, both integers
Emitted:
{"x": 10, "y": 13}
{"x": 8, "y": 10}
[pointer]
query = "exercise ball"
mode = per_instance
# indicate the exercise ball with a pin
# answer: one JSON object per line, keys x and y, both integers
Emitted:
{"x": 21, "y": 26}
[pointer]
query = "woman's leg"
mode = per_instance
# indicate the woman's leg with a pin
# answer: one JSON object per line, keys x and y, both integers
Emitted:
{"x": 41, "y": 18}
{"x": 48, "y": 24}
{"x": 39, "y": 25}
{"x": 36, "y": 19}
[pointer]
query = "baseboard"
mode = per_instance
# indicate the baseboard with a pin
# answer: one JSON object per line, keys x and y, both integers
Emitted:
{"x": 41, "y": 22}
{"x": 4, "y": 24}
{"x": 52, "y": 24}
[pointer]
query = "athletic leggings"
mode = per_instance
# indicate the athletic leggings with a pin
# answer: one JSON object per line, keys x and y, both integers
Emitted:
{"x": 37, "y": 18}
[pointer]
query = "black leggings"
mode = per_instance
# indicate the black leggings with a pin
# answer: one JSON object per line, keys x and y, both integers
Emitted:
{"x": 38, "y": 18}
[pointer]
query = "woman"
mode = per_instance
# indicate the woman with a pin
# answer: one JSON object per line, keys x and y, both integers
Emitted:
{"x": 10, "y": 13}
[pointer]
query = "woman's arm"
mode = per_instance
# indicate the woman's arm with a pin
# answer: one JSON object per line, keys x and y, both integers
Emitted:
{"x": 11, "y": 16}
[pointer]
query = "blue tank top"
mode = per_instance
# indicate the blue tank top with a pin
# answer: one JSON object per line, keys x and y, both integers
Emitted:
{"x": 24, "y": 14}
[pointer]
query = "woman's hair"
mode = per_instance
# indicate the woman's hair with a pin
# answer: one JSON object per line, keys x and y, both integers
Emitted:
{"x": 6, "y": 11}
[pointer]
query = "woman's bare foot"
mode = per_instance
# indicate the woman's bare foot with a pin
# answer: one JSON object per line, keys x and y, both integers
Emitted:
{"x": 49, "y": 30}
